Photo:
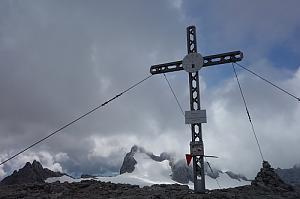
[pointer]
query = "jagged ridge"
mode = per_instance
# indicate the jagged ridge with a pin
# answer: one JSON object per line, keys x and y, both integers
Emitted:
{"x": 30, "y": 173}
{"x": 181, "y": 172}
{"x": 267, "y": 184}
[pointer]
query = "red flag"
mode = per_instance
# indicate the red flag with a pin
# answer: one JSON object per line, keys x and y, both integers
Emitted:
{"x": 188, "y": 158}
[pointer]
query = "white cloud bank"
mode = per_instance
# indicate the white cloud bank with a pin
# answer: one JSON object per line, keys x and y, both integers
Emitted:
{"x": 60, "y": 59}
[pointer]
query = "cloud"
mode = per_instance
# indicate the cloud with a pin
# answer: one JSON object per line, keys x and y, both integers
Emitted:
{"x": 228, "y": 132}
{"x": 254, "y": 27}
{"x": 2, "y": 172}
{"x": 46, "y": 159}
{"x": 61, "y": 59}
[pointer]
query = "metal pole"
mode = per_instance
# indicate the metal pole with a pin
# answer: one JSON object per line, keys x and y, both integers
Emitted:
{"x": 198, "y": 161}
{"x": 192, "y": 63}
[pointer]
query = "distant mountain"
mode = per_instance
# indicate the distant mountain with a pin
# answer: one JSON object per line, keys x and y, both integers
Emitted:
{"x": 180, "y": 171}
{"x": 129, "y": 162}
{"x": 290, "y": 176}
{"x": 30, "y": 173}
{"x": 266, "y": 184}
{"x": 143, "y": 168}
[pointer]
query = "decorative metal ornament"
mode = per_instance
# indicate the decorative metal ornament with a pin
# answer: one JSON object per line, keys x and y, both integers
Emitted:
{"x": 192, "y": 62}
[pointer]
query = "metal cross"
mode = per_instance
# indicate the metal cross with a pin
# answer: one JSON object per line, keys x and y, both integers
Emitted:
{"x": 192, "y": 63}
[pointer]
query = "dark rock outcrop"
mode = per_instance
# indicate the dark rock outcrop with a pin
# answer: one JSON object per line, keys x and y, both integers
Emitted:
{"x": 96, "y": 189}
{"x": 235, "y": 176}
{"x": 163, "y": 156}
{"x": 129, "y": 162}
{"x": 290, "y": 176}
{"x": 267, "y": 178}
{"x": 181, "y": 172}
{"x": 87, "y": 176}
{"x": 211, "y": 172}
{"x": 30, "y": 173}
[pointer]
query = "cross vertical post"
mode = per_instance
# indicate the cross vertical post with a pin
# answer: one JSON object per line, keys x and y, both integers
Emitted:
{"x": 192, "y": 63}
{"x": 198, "y": 161}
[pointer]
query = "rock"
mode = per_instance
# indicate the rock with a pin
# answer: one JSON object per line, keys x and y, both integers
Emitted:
{"x": 30, "y": 173}
{"x": 163, "y": 156}
{"x": 87, "y": 176}
{"x": 290, "y": 176}
{"x": 267, "y": 184}
{"x": 97, "y": 189}
{"x": 129, "y": 162}
{"x": 211, "y": 172}
{"x": 238, "y": 177}
{"x": 268, "y": 178}
{"x": 181, "y": 172}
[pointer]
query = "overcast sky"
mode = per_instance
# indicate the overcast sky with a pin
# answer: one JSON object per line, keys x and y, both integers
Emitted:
{"x": 59, "y": 59}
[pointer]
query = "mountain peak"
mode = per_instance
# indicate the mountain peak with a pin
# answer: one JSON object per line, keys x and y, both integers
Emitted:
{"x": 37, "y": 165}
{"x": 28, "y": 164}
{"x": 179, "y": 170}
{"x": 30, "y": 173}
{"x": 129, "y": 162}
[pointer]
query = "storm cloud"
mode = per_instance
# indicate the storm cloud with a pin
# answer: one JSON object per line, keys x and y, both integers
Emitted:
{"x": 59, "y": 59}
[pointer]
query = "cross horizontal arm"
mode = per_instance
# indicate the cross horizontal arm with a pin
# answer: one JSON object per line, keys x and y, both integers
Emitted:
{"x": 223, "y": 58}
{"x": 166, "y": 67}
{"x": 208, "y": 61}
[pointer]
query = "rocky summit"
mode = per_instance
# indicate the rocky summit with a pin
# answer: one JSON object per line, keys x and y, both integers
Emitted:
{"x": 96, "y": 189}
{"x": 267, "y": 184}
{"x": 268, "y": 179}
{"x": 30, "y": 173}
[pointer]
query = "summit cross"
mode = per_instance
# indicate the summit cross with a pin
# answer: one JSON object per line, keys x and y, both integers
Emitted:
{"x": 192, "y": 63}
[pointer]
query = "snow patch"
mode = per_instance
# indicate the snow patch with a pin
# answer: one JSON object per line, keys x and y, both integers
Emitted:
{"x": 148, "y": 172}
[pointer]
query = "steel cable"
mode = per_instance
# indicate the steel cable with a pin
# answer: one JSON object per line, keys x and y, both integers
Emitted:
{"x": 75, "y": 120}
{"x": 213, "y": 173}
{"x": 180, "y": 107}
{"x": 174, "y": 94}
{"x": 248, "y": 113}
{"x": 269, "y": 82}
